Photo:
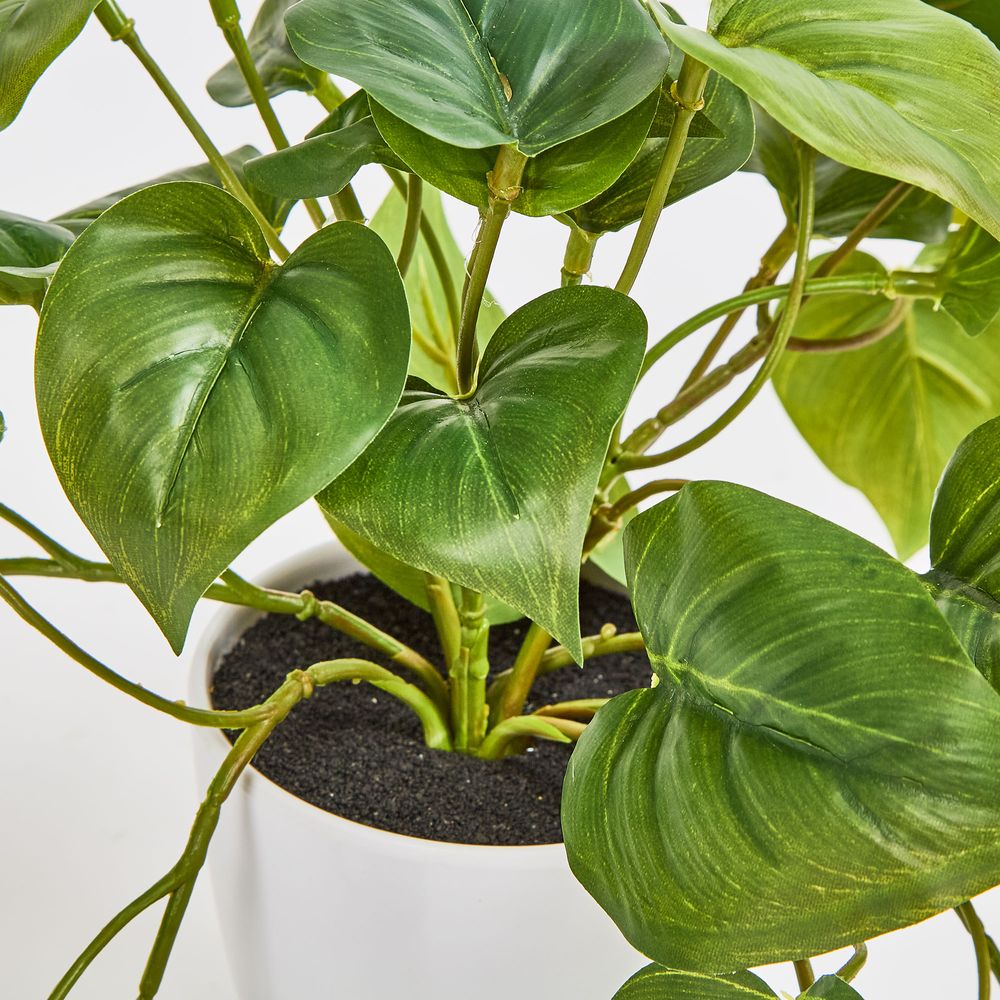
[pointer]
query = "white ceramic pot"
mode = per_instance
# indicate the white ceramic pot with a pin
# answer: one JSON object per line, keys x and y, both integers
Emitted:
{"x": 315, "y": 907}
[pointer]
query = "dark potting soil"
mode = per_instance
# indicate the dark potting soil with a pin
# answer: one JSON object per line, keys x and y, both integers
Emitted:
{"x": 358, "y": 752}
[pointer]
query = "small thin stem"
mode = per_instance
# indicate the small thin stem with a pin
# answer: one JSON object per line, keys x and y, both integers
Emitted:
{"x": 687, "y": 92}
{"x": 864, "y": 229}
{"x": 505, "y": 188}
{"x": 511, "y": 733}
{"x": 411, "y": 228}
{"x": 468, "y": 674}
{"x": 981, "y": 942}
{"x": 49, "y": 545}
{"x": 804, "y": 973}
{"x": 582, "y": 709}
{"x": 525, "y": 670}
{"x": 579, "y": 256}
{"x": 122, "y": 29}
{"x": 227, "y": 16}
{"x": 854, "y": 964}
{"x": 608, "y": 518}
{"x": 866, "y": 338}
{"x": 445, "y": 615}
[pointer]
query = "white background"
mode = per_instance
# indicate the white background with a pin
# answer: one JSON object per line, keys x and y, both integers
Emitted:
{"x": 97, "y": 792}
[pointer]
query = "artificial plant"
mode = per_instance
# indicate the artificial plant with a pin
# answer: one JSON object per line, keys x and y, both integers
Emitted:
{"x": 815, "y": 762}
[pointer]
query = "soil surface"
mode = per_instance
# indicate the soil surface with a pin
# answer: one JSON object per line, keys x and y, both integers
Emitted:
{"x": 357, "y": 752}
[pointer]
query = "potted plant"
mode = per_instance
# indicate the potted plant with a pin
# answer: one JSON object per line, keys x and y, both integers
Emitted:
{"x": 814, "y": 761}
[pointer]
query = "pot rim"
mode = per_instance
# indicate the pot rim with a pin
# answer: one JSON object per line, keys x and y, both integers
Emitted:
{"x": 224, "y": 629}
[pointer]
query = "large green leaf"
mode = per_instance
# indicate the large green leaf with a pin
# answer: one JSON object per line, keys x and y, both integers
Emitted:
{"x": 275, "y": 209}
{"x": 843, "y": 196}
{"x": 432, "y": 355}
{"x": 719, "y": 143}
{"x": 974, "y": 617}
{"x": 886, "y": 418}
{"x": 817, "y": 764}
{"x": 494, "y": 492}
{"x": 279, "y": 67}
{"x": 898, "y": 87}
{"x": 657, "y": 983}
{"x": 984, "y": 14}
{"x": 486, "y": 72}
{"x": 970, "y": 279}
{"x": 32, "y": 34}
{"x": 832, "y": 988}
{"x": 191, "y": 392}
{"x": 555, "y": 181}
{"x": 29, "y": 252}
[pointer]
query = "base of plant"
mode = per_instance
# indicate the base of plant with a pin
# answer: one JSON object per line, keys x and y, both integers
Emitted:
{"x": 359, "y": 753}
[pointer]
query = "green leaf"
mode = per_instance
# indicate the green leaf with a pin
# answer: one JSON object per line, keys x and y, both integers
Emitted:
{"x": 657, "y": 983}
{"x": 970, "y": 279}
{"x": 843, "y": 196}
{"x": 279, "y": 67}
{"x": 494, "y": 492}
{"x": 29, "y": 252}
{"x": 886, "y": 418}
{"x": 974, "y": 617}
{"x": 275, "y": 209}
{"x": 326, "y": 162}
{"x": 432, "y": 354}
{"x": 832, "y": 988}
{"x": 898, "y": 88}
{"x": 555, "y": 181}
{"x": 984, "y": 14}
{"x": 720, "y": 141}
{"x": 532, "y": 75}
{"x": 191, "y": 392}
{"x": 817, "y": 764}
{"x": 32, "y": 34}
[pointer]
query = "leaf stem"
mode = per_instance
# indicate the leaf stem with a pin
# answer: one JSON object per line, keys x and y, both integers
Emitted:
{"x": 523, "y": 673}
{"x": 411, "y": 227}
{"x": 981, "y": 942}
{"x": 122, "y": 29}
{"x": 804, "y": 973}
{"x": 509, "y": 733}
{"x": 49, "y": 545}
{"x": 227, "y": 17}
{"x": 607, "y": 518}
{"x": 994, "y": 950}
{"x": 468, "y": 674}
{"x": 504, "y": 182}
{"x": 838, "y": 345}
{"x": 582, "y": 709}
{"x": 687, "y": 92}
{"x": 854, "y": 964}
{"x": 579, "y": 256}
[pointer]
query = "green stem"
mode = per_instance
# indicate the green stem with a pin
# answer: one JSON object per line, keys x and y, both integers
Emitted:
{"x": 445, "y": 615}
{"x": 838, "y": 345}
{"x": 227, "y": 17}
{"x": 411, "y": 228}
{"x": 579, "y": 256}
{"x": 608, "y": 518}
{"x": 981, "y": 942}
{"x": 687, "y": 93}
{"x": 176, "y": 710}
{"x": 582, "y": 709}
{"x": 777, "y": 340}
{"x": 523, "y": 673}
{"x": 804, "y": 973}
{"x": 854, "y": 964}
{"x": 329, "y": 94}
{"x": 504, "y": 189}
{"x": 121, "y": 28}
{"x": 511, "y": 733}
{"x": 49, "y": 545}
{"x": 468, "y": 674}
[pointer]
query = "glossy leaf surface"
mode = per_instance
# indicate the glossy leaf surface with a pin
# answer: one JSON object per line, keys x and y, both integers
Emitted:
{"x": 657, "y": 983}
{"x": 279, "y": 67}
{"x": 984, "y": 14}
{"x": 844, "y": 196}
{"x": 970, "y": 280}
{"x": 817, "y": 728}
{"x": 555, "y": 181}
{"x": 974, "y": 617}
{"x": 432, "y": 354}
{"x": 898, "y": 88}
{"x": 29, "y": 252}
{"x": 275, "y": 209}
{"x": 494, "y": 492}
{"x": 191, "y": 392}
{"x": 32, "y": 34}
{"x": 886, "y": 418}
{"x": 534, "y": 75}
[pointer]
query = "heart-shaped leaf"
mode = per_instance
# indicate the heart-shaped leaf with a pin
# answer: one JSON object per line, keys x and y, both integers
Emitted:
{"x": 32, "y": 34}
{"x": 970, "y": 279}
{"x": 832, "y": 988}
{"x": 843, "y": 196}
{"x": 191, "y": 392}
{"x": 719, "y": 143}
{"x": 275, "y": 209}
{"x": 886, "y": 418}
{"x": 480, "y": 73}
{"x": 494, "y": 492}
{"x": 432, "y": 354}
{"x": 817, "y": 764}
{"x": 555, "y": 181}
{"x": 279, "y": 67}
{"x": 657, "y": 983}
{"x": 29, "y": 252}
{"x": 897, "y": 87}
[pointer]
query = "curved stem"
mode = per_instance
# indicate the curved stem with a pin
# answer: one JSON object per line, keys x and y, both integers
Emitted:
{"x": 687, "y": 93}
{"x": 49, "y": 545}
{"x": 981, "y": 942}
{"x": 122, "y": 29}
{"x": 411, "y": 228}
{"x": 582, "y": 709}
{"x": 505, "y": 188}
{"x": 854, "y": 964}
{"x": 834, "y": 345}
{"x": 504, "y": 737}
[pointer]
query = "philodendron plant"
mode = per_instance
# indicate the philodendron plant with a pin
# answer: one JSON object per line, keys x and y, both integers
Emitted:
{"x": 816, "y": 760}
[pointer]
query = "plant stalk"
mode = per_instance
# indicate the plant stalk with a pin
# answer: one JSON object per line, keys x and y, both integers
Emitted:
{"x": 523, "y": 673}
{"x": 804, "y": 973}
{"x": 411, "y": 228}
{"x": 981, "y": 943}
{"x": 468, "y": 673}
{"x": 579, "y": 256}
